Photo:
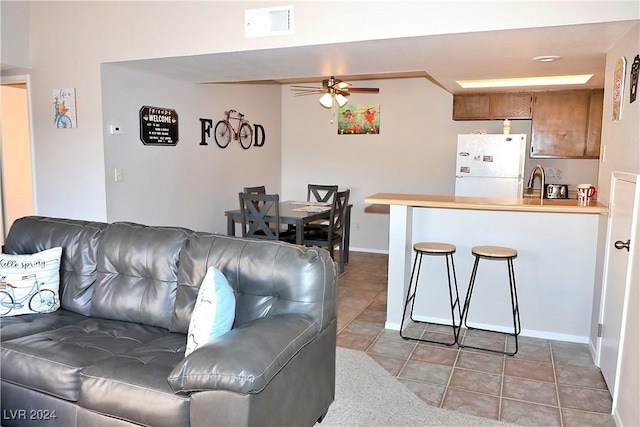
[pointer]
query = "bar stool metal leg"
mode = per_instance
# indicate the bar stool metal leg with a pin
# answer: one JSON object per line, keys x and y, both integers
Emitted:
{"x": 514, "y": 302}
{"x": 433, "y": 249}
{"x": 494, "y": 253}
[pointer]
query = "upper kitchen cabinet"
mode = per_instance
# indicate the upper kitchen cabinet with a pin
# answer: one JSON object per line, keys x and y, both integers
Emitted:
{"x": 594, "y": 129}
{"x": 492, "y": 106}
{"x": 567, "y": 124}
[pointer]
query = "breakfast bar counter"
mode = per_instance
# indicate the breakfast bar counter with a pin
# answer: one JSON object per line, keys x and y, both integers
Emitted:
{"x": 521, "y": 204}
{"x": 558, "y": 274}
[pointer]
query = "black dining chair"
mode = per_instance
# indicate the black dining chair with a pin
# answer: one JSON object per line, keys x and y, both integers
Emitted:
{"x": 320, "y": 193}
{"x": 260, "y": 189}
{"x": 254, "y": 209}
{"x": 329, "y": 237}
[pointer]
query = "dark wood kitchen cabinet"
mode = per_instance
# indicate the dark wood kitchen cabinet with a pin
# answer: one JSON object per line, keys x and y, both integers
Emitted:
{"x": 492, "y": 106}
{"x": 594, "y": 129}
{"x": 566, "y": 124}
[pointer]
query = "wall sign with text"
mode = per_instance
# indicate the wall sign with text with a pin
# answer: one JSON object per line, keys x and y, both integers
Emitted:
{"x": 255, "y": 135}
{"x": 158, "y": 126}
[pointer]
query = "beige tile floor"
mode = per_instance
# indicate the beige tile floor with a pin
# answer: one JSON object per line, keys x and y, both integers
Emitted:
{"x": 547, "y": 383}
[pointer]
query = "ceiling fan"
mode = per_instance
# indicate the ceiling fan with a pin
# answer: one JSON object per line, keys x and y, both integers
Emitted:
{"x": 332, "y": 89}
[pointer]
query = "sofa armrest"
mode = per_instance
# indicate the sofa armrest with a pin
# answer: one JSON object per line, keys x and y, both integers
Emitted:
{"x": 245, "y": 359}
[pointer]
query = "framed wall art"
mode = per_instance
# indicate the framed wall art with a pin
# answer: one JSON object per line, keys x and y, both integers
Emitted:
{"x": 64, "y": 105}
{"x": 633, "y": 79}
{"x": 618, "y": 87}
{"x": 359, "y": 119}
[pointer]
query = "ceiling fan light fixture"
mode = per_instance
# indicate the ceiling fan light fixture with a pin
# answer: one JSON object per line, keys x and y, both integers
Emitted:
{"x": 341, "y": 100}
{"x": 326, "y": 100}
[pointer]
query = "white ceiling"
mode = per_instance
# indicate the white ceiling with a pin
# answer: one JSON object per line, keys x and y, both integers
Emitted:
{"x": 441, "y": 58}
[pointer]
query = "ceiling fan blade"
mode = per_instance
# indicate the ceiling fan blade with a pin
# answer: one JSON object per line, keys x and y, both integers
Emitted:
{"x": 308, "y": 93}
{"x": 363, "y": 90}
{"x": 332, "y": 85}
{"x": 299, "y": 87}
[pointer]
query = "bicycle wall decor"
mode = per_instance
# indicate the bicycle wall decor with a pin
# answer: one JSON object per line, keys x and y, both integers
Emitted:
{"x": 246, "y": 134}
{"x": 64, "y": 106}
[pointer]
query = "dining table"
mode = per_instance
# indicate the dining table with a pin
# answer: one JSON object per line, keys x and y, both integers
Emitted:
{"x": 298, "y": 213}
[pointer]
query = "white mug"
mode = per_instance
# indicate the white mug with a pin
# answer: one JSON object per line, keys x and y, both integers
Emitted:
{"x": 586, "y": 192}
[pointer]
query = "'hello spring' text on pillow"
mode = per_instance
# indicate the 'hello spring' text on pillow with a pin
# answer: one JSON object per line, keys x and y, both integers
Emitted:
{"x": 29, "y": 283}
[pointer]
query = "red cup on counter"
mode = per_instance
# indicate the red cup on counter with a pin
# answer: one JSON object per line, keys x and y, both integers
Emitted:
{"x": 586, "y": 193}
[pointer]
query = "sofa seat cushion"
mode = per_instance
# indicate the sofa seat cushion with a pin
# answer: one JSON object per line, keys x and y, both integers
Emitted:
{"x": 51, "y": 361}
{"x": 133, "y": 386}
{"x": 28, "y": 324}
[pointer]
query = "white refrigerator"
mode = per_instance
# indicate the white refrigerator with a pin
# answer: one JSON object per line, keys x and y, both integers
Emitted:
{"x": 490, "y": 165}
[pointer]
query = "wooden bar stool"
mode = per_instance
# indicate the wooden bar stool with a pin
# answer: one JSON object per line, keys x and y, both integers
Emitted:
{"x": 433, "y": 249}
{"x": 494, "y": 253}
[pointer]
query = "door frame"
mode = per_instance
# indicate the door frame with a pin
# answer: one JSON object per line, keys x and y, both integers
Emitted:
{"x": 615, "y": 178}
{"x": 25, "y": 78}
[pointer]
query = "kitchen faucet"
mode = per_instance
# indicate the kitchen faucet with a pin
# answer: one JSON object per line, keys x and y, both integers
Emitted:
{"x": 532, "y": 177}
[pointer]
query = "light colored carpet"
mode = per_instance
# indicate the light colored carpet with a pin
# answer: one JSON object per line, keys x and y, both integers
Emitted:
{"x": 367, "y": 395}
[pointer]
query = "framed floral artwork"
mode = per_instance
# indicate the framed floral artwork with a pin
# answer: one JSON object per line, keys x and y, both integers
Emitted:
{"x": 359, "y": 119}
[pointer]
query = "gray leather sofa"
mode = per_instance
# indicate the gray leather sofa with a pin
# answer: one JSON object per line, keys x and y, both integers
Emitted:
{"x": 113, "y": 354}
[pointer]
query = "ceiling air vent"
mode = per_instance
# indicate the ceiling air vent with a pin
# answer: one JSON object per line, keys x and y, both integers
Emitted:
{"x": 270, "y": 21}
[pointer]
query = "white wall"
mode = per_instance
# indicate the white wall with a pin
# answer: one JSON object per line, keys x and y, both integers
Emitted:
{"x": 14, "y": 43}
{"x": 189, "y": 185}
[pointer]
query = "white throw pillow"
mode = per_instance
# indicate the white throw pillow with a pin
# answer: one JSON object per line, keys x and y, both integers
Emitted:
{"x": 214, "y": 311}
{"x": 29, "y": 283}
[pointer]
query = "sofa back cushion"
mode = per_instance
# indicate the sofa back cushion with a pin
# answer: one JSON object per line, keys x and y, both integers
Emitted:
{"x": 268, "y": 278}
{"x": 137, "y": 273}
{"x": 79, "y": 242}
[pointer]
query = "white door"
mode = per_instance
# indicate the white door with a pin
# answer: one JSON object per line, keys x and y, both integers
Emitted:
{"x": 623, "y": 220}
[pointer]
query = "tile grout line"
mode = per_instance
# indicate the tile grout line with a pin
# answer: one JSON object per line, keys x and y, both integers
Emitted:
{"x": 447, "y": 387}
{"x": 504, "y": 363}
{"x": 555, "y": 382}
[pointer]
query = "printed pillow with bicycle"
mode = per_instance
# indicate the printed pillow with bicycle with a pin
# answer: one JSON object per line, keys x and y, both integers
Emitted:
{"x": 29, "y": 283}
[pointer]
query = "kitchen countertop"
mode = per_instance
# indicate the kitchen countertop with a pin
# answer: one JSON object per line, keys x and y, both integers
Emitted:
{"x": 521, "y": 204}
